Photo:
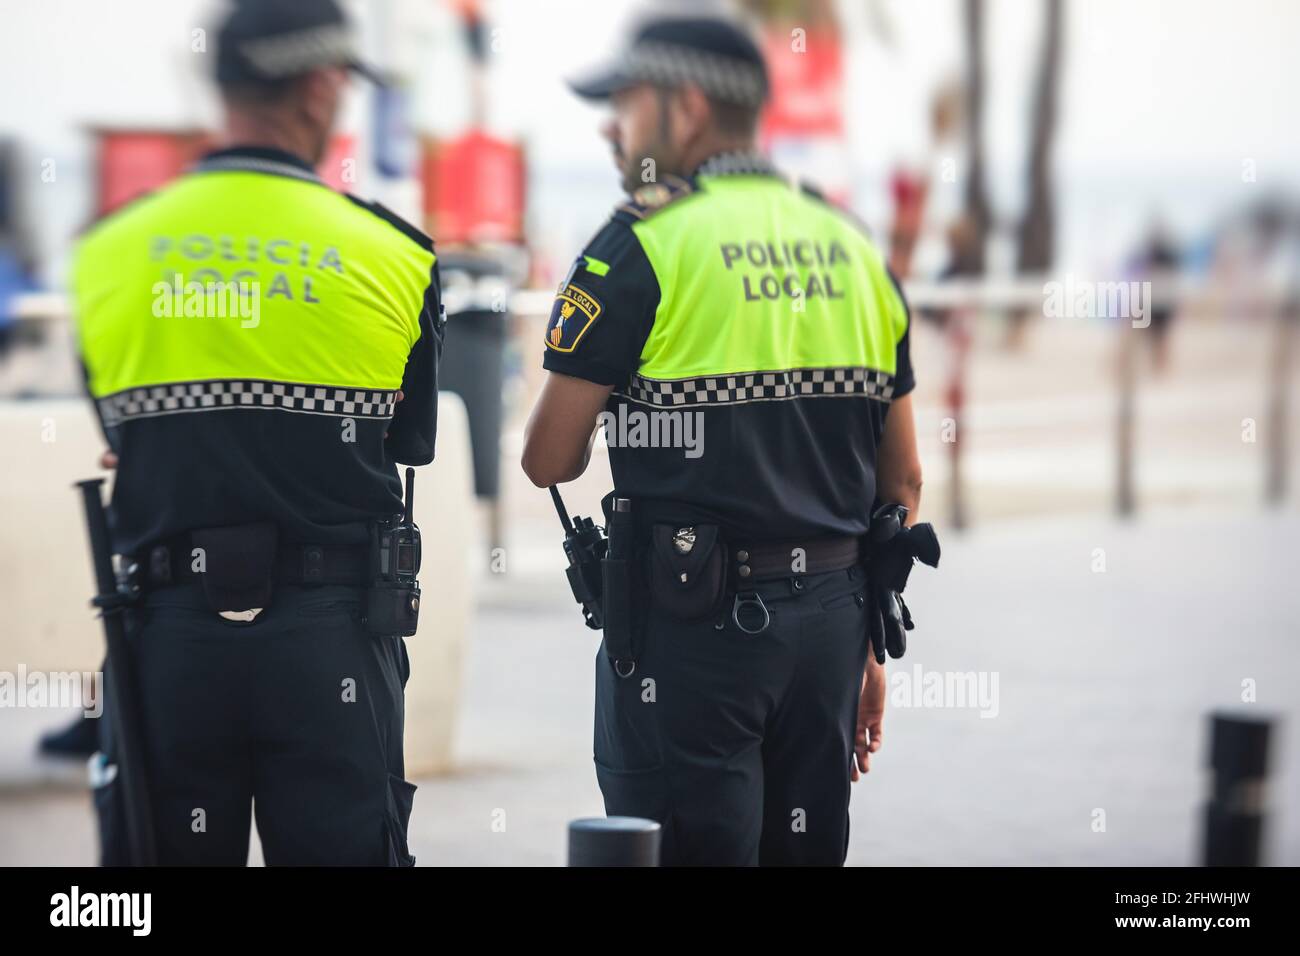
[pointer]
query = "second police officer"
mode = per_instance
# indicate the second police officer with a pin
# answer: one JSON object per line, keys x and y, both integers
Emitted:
{"x": 747, "y": 351}
{"x": 262, "y": 351}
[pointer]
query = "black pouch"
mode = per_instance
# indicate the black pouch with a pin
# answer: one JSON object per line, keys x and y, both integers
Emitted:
{"x": 239, "y": 565}
{"x": 687, "y": 570}
{"x": 393, "y": 610}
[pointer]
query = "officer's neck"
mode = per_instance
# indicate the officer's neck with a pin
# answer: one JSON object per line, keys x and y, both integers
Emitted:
{"x": 695, "y": 157}
{"x": 247, "y": 129}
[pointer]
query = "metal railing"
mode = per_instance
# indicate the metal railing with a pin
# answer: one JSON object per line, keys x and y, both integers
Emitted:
{"x": 969, "y": 300}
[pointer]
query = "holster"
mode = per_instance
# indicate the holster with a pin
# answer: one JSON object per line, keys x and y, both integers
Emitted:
{"x": 616, "y": 570}
{"x": 655, "y": 555}
{"x": 239, "y": 565}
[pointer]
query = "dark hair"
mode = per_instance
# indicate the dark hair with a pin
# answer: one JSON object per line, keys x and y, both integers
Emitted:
{"x": 729, "y": 118}
{"x": 258, "y": 92}
{"x": 735, "y": 119}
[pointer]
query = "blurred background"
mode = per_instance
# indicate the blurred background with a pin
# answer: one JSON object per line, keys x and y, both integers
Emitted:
{"x": 1095, "y": 208}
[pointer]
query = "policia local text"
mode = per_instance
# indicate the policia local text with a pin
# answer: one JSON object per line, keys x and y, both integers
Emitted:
{"x": 245, "y": 252}
{"x": 785, "y": 256}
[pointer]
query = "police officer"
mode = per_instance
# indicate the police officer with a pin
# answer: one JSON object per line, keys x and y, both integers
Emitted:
{"x": 747, "y": 352}
{"x": 247, "y": 335}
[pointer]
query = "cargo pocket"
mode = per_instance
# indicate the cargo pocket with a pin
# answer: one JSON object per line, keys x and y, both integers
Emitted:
{"x": 401, "y": 796}
{"x": 839, "y": 601}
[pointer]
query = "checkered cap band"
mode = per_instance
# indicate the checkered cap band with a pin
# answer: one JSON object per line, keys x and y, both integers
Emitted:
{"x": 292, "y": 53}
{"x": 775, "y": 386}
{"x": 665, "y": 64}
{"x": 177, "y": 398}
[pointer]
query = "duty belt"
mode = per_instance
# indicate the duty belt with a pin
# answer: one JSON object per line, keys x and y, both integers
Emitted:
{"x": 747, "y": 563}
{"x": 171, "y": 562}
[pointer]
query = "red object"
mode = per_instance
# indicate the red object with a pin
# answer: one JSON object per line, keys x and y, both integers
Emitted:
{"x": 132, "y": 163}
{"x": 473, "y": 189}
{"x": 908, "y": 189}
{"x": 339, "y": 167}
{"x": 807, "y": 73}
{"x": 135, "y": 162}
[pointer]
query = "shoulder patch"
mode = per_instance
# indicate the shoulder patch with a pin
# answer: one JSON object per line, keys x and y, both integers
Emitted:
{"x": 574, "y": 312}
{"x": 652, "y": 197}
{"x": 412, "y": 232}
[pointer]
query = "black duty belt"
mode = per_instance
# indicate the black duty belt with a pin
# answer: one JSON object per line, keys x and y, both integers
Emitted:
{"x": 171, "y": 562}
{"x": 758, "y": 562}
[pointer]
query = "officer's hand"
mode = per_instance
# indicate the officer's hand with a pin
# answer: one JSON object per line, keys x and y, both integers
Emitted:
{"x": 108, "y": 461}
{"x": 871, "y": 713}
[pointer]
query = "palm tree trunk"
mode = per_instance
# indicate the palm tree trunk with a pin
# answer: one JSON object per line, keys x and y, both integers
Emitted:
{"x": 1037, "y": 228}
{"x": 970, "y": 253}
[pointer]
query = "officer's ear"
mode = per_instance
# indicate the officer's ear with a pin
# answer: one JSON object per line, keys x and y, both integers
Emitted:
{"x": 321, "y": 92}
{"x": 693, "y": 113}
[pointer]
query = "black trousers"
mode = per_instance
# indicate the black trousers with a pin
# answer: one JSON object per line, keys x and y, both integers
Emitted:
{"x": 296, "y": 715}
{"x": 740, "y": 744}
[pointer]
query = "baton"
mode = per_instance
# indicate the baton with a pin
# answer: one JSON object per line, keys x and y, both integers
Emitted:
{"x": 121, "y": 684}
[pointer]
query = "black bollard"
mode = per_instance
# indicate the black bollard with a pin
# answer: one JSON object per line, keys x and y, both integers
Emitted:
{"x": 614, "y": 841}
{"x": 1234, "y": 816}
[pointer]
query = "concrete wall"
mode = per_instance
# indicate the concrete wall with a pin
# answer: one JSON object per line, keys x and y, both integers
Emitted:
{"x": 46, "y": 583}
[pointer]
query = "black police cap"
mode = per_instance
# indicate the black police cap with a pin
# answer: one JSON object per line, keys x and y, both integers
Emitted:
{"x": 714, "y": 54}
{"x": 267, "y": 40}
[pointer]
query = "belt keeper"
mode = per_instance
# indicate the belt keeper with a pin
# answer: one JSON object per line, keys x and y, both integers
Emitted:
{"x": 160, "y": 565}
{"x": 313, "y": 565}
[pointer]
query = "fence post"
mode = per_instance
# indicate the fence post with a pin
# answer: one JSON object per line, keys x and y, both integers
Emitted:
{"x": 1275, "y": 425}
{"x": 960, "y": 336}
{"x": 1125, "y": 498}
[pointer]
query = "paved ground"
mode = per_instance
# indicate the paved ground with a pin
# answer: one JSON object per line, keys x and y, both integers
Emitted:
{"x": 1103, "y": 684}
{"x": 1104, "y": 680}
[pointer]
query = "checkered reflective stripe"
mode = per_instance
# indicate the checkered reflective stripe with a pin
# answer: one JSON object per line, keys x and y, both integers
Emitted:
{"x": 737, "y": 163}
{"x": 252, "y": 394}
{"x": 761, "y": 387}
